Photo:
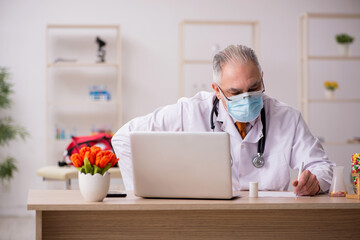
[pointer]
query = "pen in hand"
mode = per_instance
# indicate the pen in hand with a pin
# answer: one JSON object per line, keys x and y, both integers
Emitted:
{"x": 300, "y": 171}
{"x": 299, "y": 174}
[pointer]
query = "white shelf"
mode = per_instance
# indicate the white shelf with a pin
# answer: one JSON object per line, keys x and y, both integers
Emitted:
{"x": 305, "y": 59}
{"x": 330, "y": 15}
{"x": 340, "y": 143}
{"x": 209, "y": 22}
{"x": 82, "y": 103}
{"x": 254, "y": 35}
{"x": 68, "y": 106}
{"x": 338, "y": 58}
{"x": 197, "y": 62}
{"x": 81, "y": 26}
{"x": 60, "y": 141}
{"x": 50, "y": 65}
{"x": 331, "y": 100}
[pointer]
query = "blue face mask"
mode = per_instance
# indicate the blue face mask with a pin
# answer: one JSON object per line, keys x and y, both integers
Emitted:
{"x": 244, "y": 107}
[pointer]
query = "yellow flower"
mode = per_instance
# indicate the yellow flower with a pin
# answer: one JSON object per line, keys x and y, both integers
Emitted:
{"x": 331, "y": 85}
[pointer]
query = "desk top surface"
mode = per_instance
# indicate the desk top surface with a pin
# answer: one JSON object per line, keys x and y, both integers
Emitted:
{"x": 53, "y": 200}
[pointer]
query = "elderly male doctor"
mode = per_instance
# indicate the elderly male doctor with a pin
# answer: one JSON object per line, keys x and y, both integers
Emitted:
{"x": 239, "y": 87}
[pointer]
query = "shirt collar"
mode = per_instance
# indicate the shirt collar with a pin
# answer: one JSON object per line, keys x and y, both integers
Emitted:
{"x": 252, "y": 123}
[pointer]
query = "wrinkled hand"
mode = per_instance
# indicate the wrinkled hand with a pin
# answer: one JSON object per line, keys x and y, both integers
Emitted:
{"x": 308, "y": 184}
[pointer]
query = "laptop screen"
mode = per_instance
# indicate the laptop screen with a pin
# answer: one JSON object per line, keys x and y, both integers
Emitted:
{"x": 181, "y": 164}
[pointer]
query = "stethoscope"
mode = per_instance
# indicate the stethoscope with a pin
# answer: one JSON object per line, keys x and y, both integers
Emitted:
{"x": 258, "y": 161}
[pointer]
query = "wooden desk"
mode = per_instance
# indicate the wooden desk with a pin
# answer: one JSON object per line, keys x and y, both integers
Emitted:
{"x": 63, "y": 214}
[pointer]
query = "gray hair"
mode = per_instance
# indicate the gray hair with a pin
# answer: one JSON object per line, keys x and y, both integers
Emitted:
{"x": 232, "y": 53}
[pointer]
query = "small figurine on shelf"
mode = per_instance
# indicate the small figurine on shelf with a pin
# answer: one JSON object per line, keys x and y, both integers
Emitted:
{"x": 99, "y": 93}
{"x": 330, "y": 88}
{"x": 344, "y": 40}
{"x": 101, "y": 50}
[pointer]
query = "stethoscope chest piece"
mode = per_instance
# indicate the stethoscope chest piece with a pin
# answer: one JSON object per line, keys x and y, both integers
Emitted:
{"x": 258, "y": 161}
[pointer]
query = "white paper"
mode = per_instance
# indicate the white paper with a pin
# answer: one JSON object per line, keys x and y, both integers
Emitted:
{"x": 276, "y": 194}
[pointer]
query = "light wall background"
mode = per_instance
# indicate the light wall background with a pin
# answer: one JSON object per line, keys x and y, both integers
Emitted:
{"x": 149, "y": 35}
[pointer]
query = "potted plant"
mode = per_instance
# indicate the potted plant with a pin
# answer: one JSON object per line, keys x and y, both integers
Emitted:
{"x": 93, "y": 165}
{"x": 330, "y": 88}
{"x": 344, "y": 40}
{"x": 8, "y": 130}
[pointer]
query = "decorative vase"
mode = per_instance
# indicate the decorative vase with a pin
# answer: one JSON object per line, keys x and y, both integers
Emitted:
{"x": 343, "y": 49}
{"x": 329, "y": 94}
{"x": 94, "y": 188}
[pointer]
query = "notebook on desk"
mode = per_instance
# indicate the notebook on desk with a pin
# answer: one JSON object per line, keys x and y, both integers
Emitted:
{"x": 181, "y": 165}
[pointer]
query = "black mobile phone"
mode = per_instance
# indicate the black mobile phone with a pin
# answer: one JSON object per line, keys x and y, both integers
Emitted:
{"x": 115, "y": 194}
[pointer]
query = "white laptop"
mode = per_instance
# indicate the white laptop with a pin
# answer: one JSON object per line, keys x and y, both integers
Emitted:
{"x": 181, "y": 165}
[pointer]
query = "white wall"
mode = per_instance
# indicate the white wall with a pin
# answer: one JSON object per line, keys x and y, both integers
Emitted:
{"x": 149, "y": 58}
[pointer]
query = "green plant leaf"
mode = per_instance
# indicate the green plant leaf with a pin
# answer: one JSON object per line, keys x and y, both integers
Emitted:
{"x": 5, "y": 88}
{"x": 7, "y": 168}
{"x": 344, "y": 38}
{"x": 88, "y": 168}
{"x": 106, "y": 168}
{"x": 9, "y": 131}
{"x": 97, "y": 170}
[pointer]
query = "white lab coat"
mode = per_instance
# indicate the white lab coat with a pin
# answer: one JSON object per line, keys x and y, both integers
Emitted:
{"x": 288, "y": 141}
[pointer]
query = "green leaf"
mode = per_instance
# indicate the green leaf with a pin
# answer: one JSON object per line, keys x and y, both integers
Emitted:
{"x": 87, "y": 164}
{"x": 7, "y": 168}
{"x": 5, "y": 88}
{"x": 97, "y": 170}
{"x": 344, "y": 38}
{"x": 106, "y": 168}
{"x": 9, "y": 131}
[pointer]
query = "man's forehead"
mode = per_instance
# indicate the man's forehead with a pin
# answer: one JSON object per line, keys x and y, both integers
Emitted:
{"x": 241, "y": 72}
{"x": 242, "y": 65}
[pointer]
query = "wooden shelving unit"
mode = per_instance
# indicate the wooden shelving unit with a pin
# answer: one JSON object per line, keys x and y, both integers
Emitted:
{"x": 255, "y": 32}
{"x": 82, "y": 65}
{"x": 338, "y": 58}
{"x": 304, "y": 60}
{"x": 79, "y": 71}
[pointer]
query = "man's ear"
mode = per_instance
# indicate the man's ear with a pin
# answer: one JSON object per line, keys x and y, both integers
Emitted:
{"x": 216, "y": 89}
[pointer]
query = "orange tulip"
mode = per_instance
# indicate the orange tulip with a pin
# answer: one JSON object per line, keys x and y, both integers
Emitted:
{"x": 115, "y": 160}
{"x": 95, "y": 149}
{"x": 89, "y": 153}
{"x": 83, "y": 150}
{"x": 77, "y": 160}
{"x": 103, "y": 158}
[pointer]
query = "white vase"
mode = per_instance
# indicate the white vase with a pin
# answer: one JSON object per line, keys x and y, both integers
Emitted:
{"x": 343, "y": 49}
{"x": 329, "y": 94}
{"x": 94, "y": 188}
